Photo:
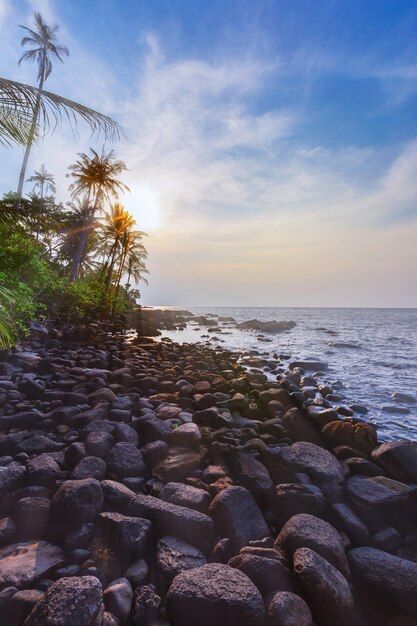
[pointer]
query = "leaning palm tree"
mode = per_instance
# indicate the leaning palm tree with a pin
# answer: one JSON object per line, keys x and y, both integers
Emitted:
{"x": 96, "y": 178}
{"x": 44, "y": 47}
{"x": 117, "y": 222}
{"x": 44, "y": 182}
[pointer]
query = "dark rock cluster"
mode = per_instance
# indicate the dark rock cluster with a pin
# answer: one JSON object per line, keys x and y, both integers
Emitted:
{"x": 150, "y": 484}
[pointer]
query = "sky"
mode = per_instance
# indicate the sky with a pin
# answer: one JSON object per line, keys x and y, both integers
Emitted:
{"x": 271, "y": 144}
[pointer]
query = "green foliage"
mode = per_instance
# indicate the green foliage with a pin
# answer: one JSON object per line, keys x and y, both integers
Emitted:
{"x": 6, "y": 323}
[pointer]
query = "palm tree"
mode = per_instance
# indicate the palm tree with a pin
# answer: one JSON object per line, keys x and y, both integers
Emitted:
{"x": 43, "y": 46}
{"x": 132, "y": 258}
{"x": 81, "y": 219}
{"x": 117, "y": 222}
{"x": 95, "y": 177}
{"x": 44, "y": 181}
{"x": 18, "y": 103}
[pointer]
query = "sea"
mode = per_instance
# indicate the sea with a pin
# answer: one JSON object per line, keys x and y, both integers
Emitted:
{"x": 372, "y": 352}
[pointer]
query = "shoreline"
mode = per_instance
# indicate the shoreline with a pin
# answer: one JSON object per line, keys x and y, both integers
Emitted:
{"x": 132, "y": 469}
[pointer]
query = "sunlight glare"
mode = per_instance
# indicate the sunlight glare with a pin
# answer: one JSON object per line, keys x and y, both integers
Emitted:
{"x": 143, "y": 204}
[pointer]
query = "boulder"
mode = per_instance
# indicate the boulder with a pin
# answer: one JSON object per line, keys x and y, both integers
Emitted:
{"x": 186, "y": 495}
{"x": 187, "y": 435}
{"x": 125, "y": 460}
{"x": 118, "y": 598}
{"x": 177, "y": 465}
{"x": 169, "y": 519}
{"x": 300, "y": 427}
{"x": 43, "y": 470}
{"x": 90, "y": 467}
{"x": 267, "y": 572}
{"x": 214, "y": 594}
{"x": 21, "y": 605}
{"x": 77, "y": 501}
{"x": 238, "y": 517}
{"x": 388, "y": 576}
{"x": 307, "y": 531}
{"x": 75, "y": 601}
{"x": 118, "y": 541}
{"x": 399, "y": 459}
{"x": 31, "y": 515}
{"x": 146, "y": 606}
{"x": 25, "y": 563}
{"x": 288, "y": 609}
{"x": 326, "y": 590}
{"x": 293, "y": 498}
{"x": 175, "y": 556}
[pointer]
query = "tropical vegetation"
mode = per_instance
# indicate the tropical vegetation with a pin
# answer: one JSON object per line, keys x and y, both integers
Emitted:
{"x": 65, "y": 262}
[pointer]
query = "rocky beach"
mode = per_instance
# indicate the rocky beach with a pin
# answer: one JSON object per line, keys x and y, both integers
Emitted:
{"x": 144, "y": 483}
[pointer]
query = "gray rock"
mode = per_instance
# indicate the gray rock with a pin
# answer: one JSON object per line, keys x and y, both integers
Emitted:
{"x": 186, "y": 495}
{"x": 387, "y": 575}
{"x": 307, "y": 531}
{"x": 399, "y": 459}
{"x": 207, "y": 594}
{"x": 32, "y": 515}
{"x": 293, "y": 498}
{"x": 77, "y": 501}
{"x": 268, "y": 572}
{"x": 326, "y": 590}
{"x": 24, "y": 563}
{"x": 238, "y": 517}
{"x": 118, "y": 541}
{"x": 187, "y": 435}
{"x": 175, "y": 556}
{"x": 137, "y": 573}
{"x": 75, "y": 601}
{"x": 288, "y": 609}
{"x": 169, "y": 519}
{"x": 90, "y": 467}
{"x": 125, "y": 460}
{"x": 43, "y": 470}
{"x": 346, "y": 521}
{"x": 21, "y": 604}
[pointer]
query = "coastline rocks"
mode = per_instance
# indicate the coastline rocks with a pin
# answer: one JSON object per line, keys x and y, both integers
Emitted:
{"x": 388, "y": 576}
{"x": 175, "y": 556}
{"x": 75, "y": 601}
{"x": 24, "y": 563}
{"x": 177, "y": 465}
{"x": 266, "y": 327}
{"x": 267, "y": 571}
{"x": 186, "y": 495}
{"x": 307, "y": 531}
{"x": 379, "y": 500}
{"x": 187, "y": 435}
{"x": 238, "y": 517}
{"x": 207, "y": 594}
{"x": 292, "y": 499}
{"x": 125, "y": 460}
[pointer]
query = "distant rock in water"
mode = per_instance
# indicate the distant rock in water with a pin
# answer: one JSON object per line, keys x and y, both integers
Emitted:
{"x": 343, "y": 344}
{"x": 266, "y": 327}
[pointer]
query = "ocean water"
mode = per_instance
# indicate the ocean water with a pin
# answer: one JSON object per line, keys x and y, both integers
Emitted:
{"x": 373, "y": 352}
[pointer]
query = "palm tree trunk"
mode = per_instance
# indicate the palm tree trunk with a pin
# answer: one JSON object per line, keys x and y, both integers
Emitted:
{"x": 30, "y": 141}
{"x": 83, "y": 240}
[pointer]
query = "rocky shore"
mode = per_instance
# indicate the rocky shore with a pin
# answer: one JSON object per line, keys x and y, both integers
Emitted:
{"x": 148, "y": 483}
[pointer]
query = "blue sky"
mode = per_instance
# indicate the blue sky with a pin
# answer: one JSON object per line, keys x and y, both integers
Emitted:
{"x": 272, "y": 144}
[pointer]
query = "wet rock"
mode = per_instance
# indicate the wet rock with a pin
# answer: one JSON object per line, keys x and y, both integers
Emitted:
{"x": 90, "y": 467}
{"x": 206, "y": 594}
{"x": 77, "y": 501}
{"x": 387, "y": 575}
{"x": 318, "y": 366}
{"x": 288, "y": 609}
{"x": 118, "y": 598}
{"x": 238, "y": 517}
{"x": 75, "y": 601}
{"x": 267, "y": 327}
{"x": 24, "y": 563}
{"x": 359, "y": 435}
{"x": 177, "y": 465}
{"x": 326, "y": 590}
{"x": 267, "y": 572}
{"x": 169, "y": 519}
{"x": 118, "y": 541}
{"x": 399, "y": 459}
{"x": 307, "y": 531}
{"x": 125, "y": 460}
{"x": 175, "y": 556}
{"x": 146, "y": 606}
{"x": 186, "y": 495}
{"x": 32, "y": 515}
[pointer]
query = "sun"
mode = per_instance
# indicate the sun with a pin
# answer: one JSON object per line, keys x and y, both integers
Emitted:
{"x": 143, "y": 204}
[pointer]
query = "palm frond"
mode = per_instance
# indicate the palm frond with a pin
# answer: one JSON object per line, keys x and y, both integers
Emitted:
{"x": 22, "y": 99}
